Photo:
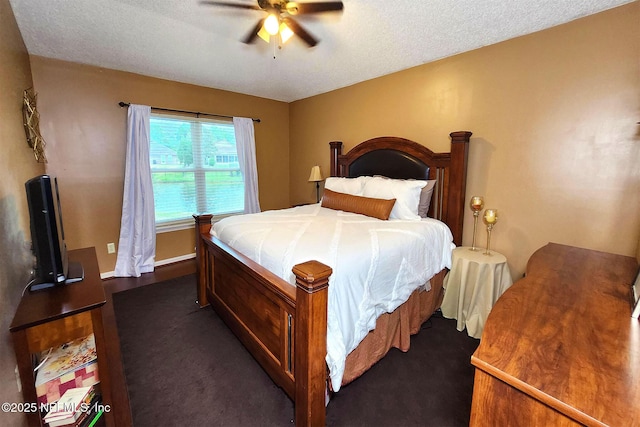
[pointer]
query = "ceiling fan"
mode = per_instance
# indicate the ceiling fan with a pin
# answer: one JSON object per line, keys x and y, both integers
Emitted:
{"x": 279, "y": 19}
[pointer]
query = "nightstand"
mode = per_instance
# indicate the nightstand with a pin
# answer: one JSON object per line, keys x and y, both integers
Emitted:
{"x": 473, "y": 286}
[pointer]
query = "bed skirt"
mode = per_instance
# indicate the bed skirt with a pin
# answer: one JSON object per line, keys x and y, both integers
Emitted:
{"x": 394, "y": 330}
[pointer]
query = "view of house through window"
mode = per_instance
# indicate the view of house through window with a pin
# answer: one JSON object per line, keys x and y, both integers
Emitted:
{"x": 194, "y": 168}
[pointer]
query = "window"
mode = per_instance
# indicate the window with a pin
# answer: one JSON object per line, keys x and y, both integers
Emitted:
{"x": 194, "y": 169}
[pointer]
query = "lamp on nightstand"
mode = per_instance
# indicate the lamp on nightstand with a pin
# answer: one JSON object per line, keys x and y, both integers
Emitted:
{"x": 316, "y": 176}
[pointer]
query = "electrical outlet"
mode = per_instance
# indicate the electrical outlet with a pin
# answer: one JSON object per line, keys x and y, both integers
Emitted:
{"x": 111, "y": 248}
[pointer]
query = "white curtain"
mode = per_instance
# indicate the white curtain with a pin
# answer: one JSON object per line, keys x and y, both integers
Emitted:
{"x": 137, "y": 246}
{"x": 246, "y": 146}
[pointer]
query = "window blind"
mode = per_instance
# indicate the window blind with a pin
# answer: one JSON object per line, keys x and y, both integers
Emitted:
{"x": 194, "y": 169}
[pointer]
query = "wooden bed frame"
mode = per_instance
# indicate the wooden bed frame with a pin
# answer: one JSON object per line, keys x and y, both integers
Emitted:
{"x": 284, "y": 327}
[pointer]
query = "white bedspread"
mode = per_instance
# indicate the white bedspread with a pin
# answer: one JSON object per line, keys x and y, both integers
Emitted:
{"x": 376, "y": 264}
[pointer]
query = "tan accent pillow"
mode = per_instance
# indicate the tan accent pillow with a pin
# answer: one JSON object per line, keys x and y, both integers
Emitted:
{"x": 376, "y": 208}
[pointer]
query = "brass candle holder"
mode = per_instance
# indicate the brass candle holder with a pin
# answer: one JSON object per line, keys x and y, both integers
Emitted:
{"x": 477, "y": 203}
{"x": 490, "y": 218}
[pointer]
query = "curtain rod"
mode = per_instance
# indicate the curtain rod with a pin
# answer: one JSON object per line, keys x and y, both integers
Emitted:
{"x": 125, "y": 104}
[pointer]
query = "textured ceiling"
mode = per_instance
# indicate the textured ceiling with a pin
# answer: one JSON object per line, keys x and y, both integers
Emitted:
{"x": 184, "y": 41}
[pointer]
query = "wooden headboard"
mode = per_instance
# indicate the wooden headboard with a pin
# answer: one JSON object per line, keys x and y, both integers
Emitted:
{"x": 404, "y": 159}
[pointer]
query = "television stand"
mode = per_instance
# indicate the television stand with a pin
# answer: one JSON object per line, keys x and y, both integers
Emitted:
{"x": 57, "y": 315}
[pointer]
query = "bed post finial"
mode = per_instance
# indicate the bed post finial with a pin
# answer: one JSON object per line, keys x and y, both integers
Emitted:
{"x": 458, "y": 183}
{"x": 336, "y": 152}
{"x": 312, "y": 293}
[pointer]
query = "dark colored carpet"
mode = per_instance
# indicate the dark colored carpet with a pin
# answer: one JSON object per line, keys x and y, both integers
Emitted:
{"x": 185, "y": 367}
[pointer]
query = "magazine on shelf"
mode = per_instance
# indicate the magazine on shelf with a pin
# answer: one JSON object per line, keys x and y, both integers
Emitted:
{"x": 66, "y": 358}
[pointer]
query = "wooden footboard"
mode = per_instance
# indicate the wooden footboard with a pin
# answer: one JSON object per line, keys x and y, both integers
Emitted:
{"x": 284, "y": 328}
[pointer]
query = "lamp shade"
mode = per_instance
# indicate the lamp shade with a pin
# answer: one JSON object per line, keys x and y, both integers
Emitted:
{"x": 315, "y": 175}
{"x": 264, "y": 35}
{"x": 285, "y": 32}
{"x": 272, "y": 24}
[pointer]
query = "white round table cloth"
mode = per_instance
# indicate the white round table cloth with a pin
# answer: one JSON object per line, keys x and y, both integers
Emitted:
{"x": 473, "y": 286}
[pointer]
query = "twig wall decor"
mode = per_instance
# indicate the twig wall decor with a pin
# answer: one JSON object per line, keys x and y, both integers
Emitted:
{"x": 31, "y": 119}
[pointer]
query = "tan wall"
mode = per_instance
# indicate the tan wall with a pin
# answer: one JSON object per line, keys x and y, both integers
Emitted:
{"x": 555, "y": 144}
{"x": 85, "y": 130}
{"x": 17, "y": 165}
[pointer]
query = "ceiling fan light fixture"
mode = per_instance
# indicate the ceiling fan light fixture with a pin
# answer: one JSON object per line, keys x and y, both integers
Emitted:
{"x": 264, "y": 35}
{"x": 272, "y": 24}
{"x": 285, "y": 32}
{"x": 279, "y": 22}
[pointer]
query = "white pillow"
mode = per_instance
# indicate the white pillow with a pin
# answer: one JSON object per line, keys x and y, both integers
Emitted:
{"x": 406, "y": 193}
{"x": 351, "y": 186}
{"x": 426, "y": 194}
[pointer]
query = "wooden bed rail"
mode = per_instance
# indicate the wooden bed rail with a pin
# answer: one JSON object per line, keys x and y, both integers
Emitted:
{"x": 288, "y": 334}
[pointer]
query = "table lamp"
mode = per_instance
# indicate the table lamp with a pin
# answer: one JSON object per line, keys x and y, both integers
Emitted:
{"x": 316, "y": 176}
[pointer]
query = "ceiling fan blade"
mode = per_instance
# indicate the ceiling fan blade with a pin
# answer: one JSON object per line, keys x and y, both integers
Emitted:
{"x": 227, "y": 4}
{"x": 295, "y": 8}
{"x": 251, "y": 37}
{"x": 300, "y": 32}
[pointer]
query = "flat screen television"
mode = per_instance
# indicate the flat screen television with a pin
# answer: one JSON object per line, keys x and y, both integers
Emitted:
{"x": 47, "y": 235}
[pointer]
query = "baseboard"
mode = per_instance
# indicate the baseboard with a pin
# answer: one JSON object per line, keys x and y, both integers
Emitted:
{"x": 110, "y": 274}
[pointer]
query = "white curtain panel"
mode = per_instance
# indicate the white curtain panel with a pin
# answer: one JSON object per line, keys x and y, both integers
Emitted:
{"x": 246, "y": 146}
{"x": 137, "y": 246}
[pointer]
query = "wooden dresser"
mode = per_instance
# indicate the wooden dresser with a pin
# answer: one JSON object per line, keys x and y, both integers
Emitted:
{"x": 560, "y": 347}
